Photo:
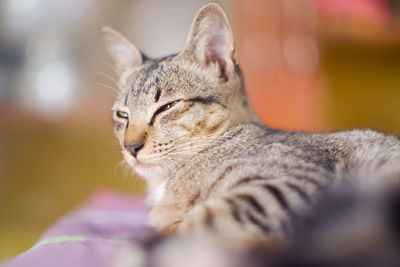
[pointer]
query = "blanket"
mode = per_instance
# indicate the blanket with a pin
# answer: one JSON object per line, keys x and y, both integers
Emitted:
{"x": 92, "y": 235}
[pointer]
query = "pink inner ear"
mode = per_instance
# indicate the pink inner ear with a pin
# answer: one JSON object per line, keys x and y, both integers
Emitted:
{"x": 215, "y": 53}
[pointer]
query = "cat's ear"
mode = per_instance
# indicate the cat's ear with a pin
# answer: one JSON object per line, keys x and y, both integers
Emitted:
{"x": 210, "y": 40}
{"x": 124, "y": 54}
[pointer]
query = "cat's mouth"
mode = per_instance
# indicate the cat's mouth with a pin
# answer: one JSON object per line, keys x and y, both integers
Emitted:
{"x": 146, "y": 169}
{"x": 132, "y": 161}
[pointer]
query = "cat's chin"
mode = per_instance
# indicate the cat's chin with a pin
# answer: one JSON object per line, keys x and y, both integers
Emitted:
{"x": 144, "y": 169}
{"x": 149, "y": 171}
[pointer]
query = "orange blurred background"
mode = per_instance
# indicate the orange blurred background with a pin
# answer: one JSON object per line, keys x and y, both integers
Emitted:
{"x": 312, "y": 65}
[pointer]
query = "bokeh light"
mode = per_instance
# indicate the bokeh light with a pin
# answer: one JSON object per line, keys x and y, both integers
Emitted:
{"x": 54, "y": 89}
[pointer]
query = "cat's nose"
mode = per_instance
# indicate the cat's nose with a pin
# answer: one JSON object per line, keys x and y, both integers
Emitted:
{"x": 134, "y": 148}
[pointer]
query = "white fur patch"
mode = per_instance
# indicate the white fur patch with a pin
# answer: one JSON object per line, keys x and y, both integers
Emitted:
{"x": 154, "y": 196}
{"x": 160, "y": 192}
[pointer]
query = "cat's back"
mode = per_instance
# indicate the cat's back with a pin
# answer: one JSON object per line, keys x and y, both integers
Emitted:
{"x": 252, "y": 151}
{"x": 253, "y": 144}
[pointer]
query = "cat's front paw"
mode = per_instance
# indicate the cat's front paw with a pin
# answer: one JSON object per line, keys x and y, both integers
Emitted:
{"x": 205, "y": 217}
{"x": 197, "y": 220}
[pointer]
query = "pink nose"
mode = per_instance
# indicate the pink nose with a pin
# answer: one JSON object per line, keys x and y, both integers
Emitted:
{"x": 134, "y": 148}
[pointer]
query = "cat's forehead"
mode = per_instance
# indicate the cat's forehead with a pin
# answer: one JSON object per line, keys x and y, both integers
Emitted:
{"x": 156, "y": 79}
{"x": 163, "y": 80}
{"x": 143, "y": 83}
{"x": 149, "y": 76}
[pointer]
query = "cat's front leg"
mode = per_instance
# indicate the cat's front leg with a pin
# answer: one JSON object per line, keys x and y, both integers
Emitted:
{"x": 221, "y": 218}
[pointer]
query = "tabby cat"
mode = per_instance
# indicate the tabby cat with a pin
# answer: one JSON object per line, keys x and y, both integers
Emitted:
{"x": 185, "y": 126}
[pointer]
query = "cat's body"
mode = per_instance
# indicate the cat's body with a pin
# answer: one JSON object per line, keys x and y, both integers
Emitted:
{"x": 184, "y": 125}
{"x": 257, "y": 177}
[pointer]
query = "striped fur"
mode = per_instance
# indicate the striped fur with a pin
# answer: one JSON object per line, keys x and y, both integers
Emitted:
{"x": 218, "y": 168}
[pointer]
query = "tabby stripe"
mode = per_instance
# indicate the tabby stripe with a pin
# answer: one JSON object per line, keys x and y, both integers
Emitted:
{"x": 226, "y": 171}
{"x": 204, "y": 100}
{"x": 141, "y": 84}
{"x": 303, "y": 167}
{"x": 185, "y": 109}
{"x": 215, "y": 127}
{"x": 309, "y": 180}
{"x": 234, "y": 210}
{"x": 300, "y": 192}
{"x": 192, "y": 201}
{"x": 179, "y": 112}
{"x": 264, "y": 228}
{"x": 184, "y": 127}
{"x": 208, "y": 219}
{"x": 233, "y": 135}
{"x": 157, "y": 96}
{"x": 277, "y": 195}
{"x": 253, "y": 202}
{"x": 248, "y": 180}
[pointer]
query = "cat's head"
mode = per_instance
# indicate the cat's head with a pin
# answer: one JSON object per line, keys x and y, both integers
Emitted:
{"x": 169, "y": 108}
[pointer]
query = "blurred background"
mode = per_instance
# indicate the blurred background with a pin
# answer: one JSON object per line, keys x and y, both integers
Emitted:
{"x": 312, "y": 65}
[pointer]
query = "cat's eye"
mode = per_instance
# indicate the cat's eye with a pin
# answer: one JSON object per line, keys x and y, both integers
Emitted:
{"x": 122, "y": 114}
{"x": 162, "y": 109}
{"x": 169, "y": 105}
{"x": 166, "y": 107}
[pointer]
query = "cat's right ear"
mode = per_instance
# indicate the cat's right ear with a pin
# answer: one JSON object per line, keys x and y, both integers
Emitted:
{"x": 210, "y": 40}
{"x": 124, "y": 54}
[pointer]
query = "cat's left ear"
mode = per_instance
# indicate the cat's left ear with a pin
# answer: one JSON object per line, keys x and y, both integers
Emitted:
{"x": 124, "y": 54}
{"x": 210, "y": 40}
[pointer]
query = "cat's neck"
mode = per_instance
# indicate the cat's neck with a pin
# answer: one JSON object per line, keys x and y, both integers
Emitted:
{"x": 155, "y": 190}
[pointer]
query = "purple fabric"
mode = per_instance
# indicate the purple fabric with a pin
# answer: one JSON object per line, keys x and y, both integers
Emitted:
{"x": 91, "y": 235}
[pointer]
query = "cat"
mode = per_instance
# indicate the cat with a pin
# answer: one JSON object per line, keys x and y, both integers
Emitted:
{"x": 184, "y": 124}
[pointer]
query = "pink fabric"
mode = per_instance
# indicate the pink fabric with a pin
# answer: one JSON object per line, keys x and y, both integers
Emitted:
{"x": 91, "y": 235}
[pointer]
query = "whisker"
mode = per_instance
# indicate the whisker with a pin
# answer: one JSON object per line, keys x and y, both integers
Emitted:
{"x": 109, "y": 87}
{"x": 179, "y": 153}
{"x": 194, "y": 148}
{"x": 184, "y": 138}
{"x": 108, "y": 77}
{"x": 112, "y": 67}
{"x": 190, "y": 145}
{"x": 191, "y": 142}
{"x": 119, "y": 165}
{"x": 135, "y": 180}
